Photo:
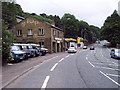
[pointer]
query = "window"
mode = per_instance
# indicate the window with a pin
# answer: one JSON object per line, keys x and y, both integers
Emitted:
{"x": 41, "y": 31}
{"x": 30, "y": 32}
{"x": 54, "y": 32}
{"x": 58, "y": 34}
{"x": 19, "y": 32}
{"x": 61, "y": 34}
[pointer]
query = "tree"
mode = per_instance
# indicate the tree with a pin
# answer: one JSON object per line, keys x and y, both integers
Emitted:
{"x": 9, "y": 14}
{"x": 7, "y": 40}
{"x": 111, "y": 29}
{"x": 69, "y": 25}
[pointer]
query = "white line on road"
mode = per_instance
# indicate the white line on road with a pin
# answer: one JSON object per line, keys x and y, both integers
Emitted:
{"x": 61, "y": 60}
{"x": 86, "y": 58}
{"x": 66, "y": 56}
{"x": 113, "y": 75}
{"x": 110, "y": 78}
{"x": 91, "y": 64}
{"x": 45, "y": 82}
{"x": 54, "y": 67}
{"x": 107, "y": 68}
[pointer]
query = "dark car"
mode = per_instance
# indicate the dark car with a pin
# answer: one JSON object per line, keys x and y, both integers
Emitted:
{"x": 115, "y": 53}
{"x": 16, "y": 54}
{"x": 92, "y": 48}
{"x": 34, "y": 50}
{"x": 43, "y": 51}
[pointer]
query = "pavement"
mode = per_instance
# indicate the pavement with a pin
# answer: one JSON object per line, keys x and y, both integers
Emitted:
{"x": 11, "y": 72}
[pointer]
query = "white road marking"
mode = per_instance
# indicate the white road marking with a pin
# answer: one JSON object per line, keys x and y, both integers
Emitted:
{"x": 108, "y": 60}
{"x": 66, "y": 56}
{"x": 87, "y": 55}
{"x": 107, "y": 68}
{"x": 86, "y": 58}
{"x": 104, "y": 64}
{"x": 97, "y": 63}
{"x": 54, "y": 67}
{"x": 45, "y": 82}
{"x": 113, "y": 75}
{"x": 91, "y": 64}
{"x": 61, "y": 60}
{"x": 110, "y": 78}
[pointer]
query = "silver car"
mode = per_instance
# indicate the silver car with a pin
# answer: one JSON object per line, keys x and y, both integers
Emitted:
{"x": 115, "y": 53}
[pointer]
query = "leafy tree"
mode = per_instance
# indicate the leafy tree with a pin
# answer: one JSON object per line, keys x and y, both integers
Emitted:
{"x": 69, "y": 25}
{"x": 9, "y": 14}
{"x": 111, "y": 29}
{"x": 95, "y": 32}
{"x": 8, "y": 21}
{"x": 7, "y": 40}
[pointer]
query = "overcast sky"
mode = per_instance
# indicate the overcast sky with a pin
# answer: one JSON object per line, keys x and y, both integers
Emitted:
{"x": 92, "y": 11}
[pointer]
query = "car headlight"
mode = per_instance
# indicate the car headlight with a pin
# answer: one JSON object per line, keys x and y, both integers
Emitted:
{"x": 16, "y": 55}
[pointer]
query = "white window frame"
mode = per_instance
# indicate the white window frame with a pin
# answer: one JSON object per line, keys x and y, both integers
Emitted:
{"x": 41, "y": 31}
{"x": 54, "y": 32}
{"x": 19, "y": 32}
{"x": 30, "y": 32}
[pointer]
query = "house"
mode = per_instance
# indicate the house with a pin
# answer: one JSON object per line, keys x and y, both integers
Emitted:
{"x": 33, "y": 30}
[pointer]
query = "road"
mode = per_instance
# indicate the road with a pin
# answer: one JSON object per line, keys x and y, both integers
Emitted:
{"x": 84, "y": 69}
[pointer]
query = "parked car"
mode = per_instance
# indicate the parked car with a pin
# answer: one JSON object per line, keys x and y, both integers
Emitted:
{"x": 29, "y": 49}
{"x": 17, "y": 54}
{"x": 44, "y": 51}
{"x": 115, "y": 53}
{"x": 36, "y": 47}
{"x": 23, "y": 47}
{"x": 72, "y": 50}
{"x": 34, "y": 50}
{"x": 84, "y": 47}
{"x": 92, "y": 48}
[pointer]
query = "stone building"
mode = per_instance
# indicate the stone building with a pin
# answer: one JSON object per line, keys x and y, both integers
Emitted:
{"x": 33, "y": 30}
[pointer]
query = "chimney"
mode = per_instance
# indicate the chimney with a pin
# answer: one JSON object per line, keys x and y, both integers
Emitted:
{"x": 53, "y": 22}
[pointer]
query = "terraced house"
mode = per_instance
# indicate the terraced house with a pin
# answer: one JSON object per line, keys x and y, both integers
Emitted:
{"x": 33, "y": 30}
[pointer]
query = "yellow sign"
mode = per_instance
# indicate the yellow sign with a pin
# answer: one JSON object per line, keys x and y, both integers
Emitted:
{"x": 78, "y": 40}
{"x": 70, "y": 39}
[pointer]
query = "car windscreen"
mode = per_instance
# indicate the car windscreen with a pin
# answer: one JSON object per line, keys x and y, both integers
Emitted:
{"x": 29, "y": 47}
{"x": 118, "y": 51}
{"x": 71, "y": 48}
{"x": 15, "y": 48}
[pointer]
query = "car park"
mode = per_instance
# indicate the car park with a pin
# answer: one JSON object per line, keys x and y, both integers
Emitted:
{"x": 16, "y": 54}
{"x": 72, "y": 50}
{"x": 115, "y": 53}
{"x": 92, "y": 48}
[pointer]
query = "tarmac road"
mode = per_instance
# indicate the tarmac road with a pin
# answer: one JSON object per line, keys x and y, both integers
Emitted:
{"x": 84, "y": 69}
